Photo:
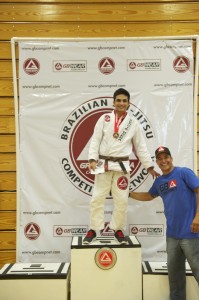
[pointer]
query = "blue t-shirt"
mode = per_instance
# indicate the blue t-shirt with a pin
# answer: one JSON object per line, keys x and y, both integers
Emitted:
{"x": 177, "y": 191}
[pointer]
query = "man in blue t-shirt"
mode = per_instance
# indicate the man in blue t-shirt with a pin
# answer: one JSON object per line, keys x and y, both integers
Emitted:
{"x": 179, "y": 189}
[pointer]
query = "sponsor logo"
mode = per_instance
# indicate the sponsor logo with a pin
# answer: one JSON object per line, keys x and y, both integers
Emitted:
{"x": 31, "y": 66}
{"x": 107, "y": 118}
{"x": 32, "y": 231}
{"x": 134, "y": 230}
{"x": 181, "y": 64}
{"x": 168, "y": 185}
{"x": 147, "y": 230}
{"x": 69, "y": 230}
{"x": 172, "y": 184}
{"x": 74, "y": 139}
{"x": 107, "y": 231}
{"x": 105, "y": 258}
{"x": 161, "y": 149}
{"x": 122, "y": 183}
{"x": 69, "y": 66}
{"x": 106, "y": 65}
{"x": 143, "y": 65}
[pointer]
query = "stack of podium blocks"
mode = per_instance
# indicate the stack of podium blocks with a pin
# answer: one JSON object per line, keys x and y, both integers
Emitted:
{"x": 102, "y": 270}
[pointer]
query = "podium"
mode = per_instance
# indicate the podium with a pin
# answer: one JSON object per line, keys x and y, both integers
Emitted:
{"x": 156, "y": 284}
{"x": 106, "y": 269}
{"x": 34, "y": 281}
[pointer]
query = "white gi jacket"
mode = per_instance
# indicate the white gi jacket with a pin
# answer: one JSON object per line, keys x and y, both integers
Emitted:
{"x": 130, "y": 136}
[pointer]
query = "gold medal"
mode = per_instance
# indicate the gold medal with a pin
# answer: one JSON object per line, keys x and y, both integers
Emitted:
{"x": 115, "y": 135}
{"x": 117, "y": 124}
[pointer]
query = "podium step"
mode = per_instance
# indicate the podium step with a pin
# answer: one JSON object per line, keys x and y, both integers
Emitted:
{"x": 156, "y": 285}
{"x": 106, "y": 269}
{"x": 34, "y": 281}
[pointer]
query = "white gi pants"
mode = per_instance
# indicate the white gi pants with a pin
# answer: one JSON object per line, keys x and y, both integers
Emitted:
{"x": 118, "y": 183}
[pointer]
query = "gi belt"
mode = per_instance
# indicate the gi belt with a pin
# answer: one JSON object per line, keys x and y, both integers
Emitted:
{"x": 115, "y": 159}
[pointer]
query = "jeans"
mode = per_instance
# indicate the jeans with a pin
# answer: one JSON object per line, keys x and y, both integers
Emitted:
{"x": 178, "y": 250}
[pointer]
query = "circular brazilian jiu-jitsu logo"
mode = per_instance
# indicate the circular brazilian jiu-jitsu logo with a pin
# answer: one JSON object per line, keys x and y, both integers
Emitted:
{"x": 75, "y": 136}
{"x": 105, "y": 258}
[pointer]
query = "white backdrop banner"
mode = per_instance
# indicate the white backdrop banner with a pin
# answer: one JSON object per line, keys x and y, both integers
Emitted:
{"x": 64, "y": 87}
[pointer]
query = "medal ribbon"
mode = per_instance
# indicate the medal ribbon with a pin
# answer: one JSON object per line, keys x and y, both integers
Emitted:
{"x": 118, "y": 121}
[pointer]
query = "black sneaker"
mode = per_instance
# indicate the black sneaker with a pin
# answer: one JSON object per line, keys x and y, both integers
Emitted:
{"x": 119, "y": 236}
{"x": 90, "y": 236}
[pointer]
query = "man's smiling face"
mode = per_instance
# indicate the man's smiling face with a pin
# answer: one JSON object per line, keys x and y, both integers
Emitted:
{"x": 165, "y": 163}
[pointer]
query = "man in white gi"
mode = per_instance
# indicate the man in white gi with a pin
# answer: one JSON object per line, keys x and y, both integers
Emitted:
{"x": 114, "y": 136}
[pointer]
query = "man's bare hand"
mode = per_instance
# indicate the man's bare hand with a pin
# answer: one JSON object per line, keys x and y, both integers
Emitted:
{"x": 153, "y": 172}
{"x": 92, "y": 165}
{"x": 195, "y": 224}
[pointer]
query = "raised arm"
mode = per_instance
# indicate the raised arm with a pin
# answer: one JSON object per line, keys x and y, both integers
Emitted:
{"x": 141, "y": 196}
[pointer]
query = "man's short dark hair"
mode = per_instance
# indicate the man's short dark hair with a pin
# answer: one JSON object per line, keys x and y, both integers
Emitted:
{"x": 121, "y": 91}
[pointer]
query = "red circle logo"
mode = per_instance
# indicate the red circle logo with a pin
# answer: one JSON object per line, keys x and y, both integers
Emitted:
{"x": 105, "y": 258}
{"x": 106, "y": 65}
{"x": 134, "y": 230}
{"x": 59, "y": 231}
{"x": 122, "y": 183}
{"x": 58, "y": 66}
{"x": 31, "y": 66}
{"x": 132, "y": 65}
{"x": 181, "y": 64}
{"x": 32, "y": 231}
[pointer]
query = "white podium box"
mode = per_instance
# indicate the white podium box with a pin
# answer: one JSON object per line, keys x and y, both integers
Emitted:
{"x": 106, "y": 270}
{"x": 34, "y": 281}
{"x": 156, "y": 285}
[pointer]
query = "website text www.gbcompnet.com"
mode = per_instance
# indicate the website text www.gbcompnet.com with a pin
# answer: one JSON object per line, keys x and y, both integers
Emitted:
{"x": 42, "y": 252}
{"x": 99, "y": 48}
{"x": 102, "y": 86}
{"x": 168, "y": 85}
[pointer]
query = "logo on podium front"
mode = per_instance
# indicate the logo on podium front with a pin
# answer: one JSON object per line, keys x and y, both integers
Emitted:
{"x": 105, "y": 258}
